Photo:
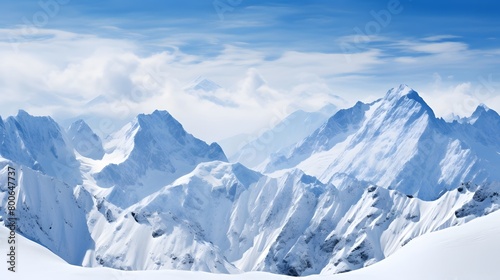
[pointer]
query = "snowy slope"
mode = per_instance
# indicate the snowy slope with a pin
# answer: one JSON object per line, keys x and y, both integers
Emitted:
{"x": 50, "y": 212}
{"x": 287, "y": 132}
{"x": 398, "y": 143}
{"x": 468, "y": 252}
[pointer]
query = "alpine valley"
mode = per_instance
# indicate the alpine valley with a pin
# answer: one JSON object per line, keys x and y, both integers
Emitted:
{"x": 359, "y": 186}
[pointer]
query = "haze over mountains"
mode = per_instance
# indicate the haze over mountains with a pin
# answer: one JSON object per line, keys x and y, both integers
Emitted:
{"x": 286, "y": 133}
{"x": 344, "y": 190}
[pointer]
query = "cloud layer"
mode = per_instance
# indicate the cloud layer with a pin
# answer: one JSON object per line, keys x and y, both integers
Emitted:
{"x": 109, "y": 80}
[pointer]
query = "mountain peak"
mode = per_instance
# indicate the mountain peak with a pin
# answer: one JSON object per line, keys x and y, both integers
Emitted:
{"x": 481, "y": 108}
{"x": 154, "y": 150}
{"x": 22, "y": 114}
{"x": 39, "y": 143}
{"x": 85, "y": 141}
{"x": 484, "y": 115}
{"x": 155, "y": 114}
{"x": 401, "y": 91}
{"x": 404, "y": 93}
{"x": 162, "y": 120}
{"x": 203, "y": 84}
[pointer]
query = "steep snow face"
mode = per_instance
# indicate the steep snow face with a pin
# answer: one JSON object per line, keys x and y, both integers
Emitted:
{"x": 183, "y": 226}
{"x": 289, "y": 131}
{"x": 85, "y": 141}
{"x": 149, "y": 153}
{"x": 350, "y": 229}
{"x": 50, "y": 212}
{"x": 398, "y": 143}
{"x": 39, "y": 143}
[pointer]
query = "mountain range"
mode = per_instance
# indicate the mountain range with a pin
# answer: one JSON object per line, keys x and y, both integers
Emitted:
{"x": 344, "y": 192}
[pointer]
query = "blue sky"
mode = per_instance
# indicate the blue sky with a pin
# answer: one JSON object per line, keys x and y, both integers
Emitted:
{"x": 269, "y": 56}
{"x": 270, "y": 23}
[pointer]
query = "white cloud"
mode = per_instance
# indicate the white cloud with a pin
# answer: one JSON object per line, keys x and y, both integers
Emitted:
{"x": 450, "y": 99}
{"x": 434, "y": 47}
{"x": 361, "y": 39}
{"x": 440, "y": 38}
{"x": 441, "y": 47}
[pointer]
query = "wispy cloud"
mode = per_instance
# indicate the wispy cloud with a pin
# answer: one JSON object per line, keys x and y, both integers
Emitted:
{"x": 433, "y": 47}
{"x": 440, "y": 38}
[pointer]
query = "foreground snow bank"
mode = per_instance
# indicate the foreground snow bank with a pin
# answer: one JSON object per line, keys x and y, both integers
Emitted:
{"x": 471, "y": 251}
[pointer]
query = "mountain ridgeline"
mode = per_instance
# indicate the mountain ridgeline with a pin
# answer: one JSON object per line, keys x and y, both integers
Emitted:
{"x": 343, "y": 194}
{"x": 398, "y": 143}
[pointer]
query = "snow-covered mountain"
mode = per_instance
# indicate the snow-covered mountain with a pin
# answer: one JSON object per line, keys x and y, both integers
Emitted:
{"x": 225, "y": 218}
{"x": 151, "y": 196}
{"x": 203, "y": 84}
{"x": 65, "y": 176}
{"x": 149, "y": 153}
{"x": 85, "y": 141}
{"x": 398, "y": 143}
{"x": 287, "y": 132}
{"x": 206, "y": 89}
{"x": 39, "y": 143}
